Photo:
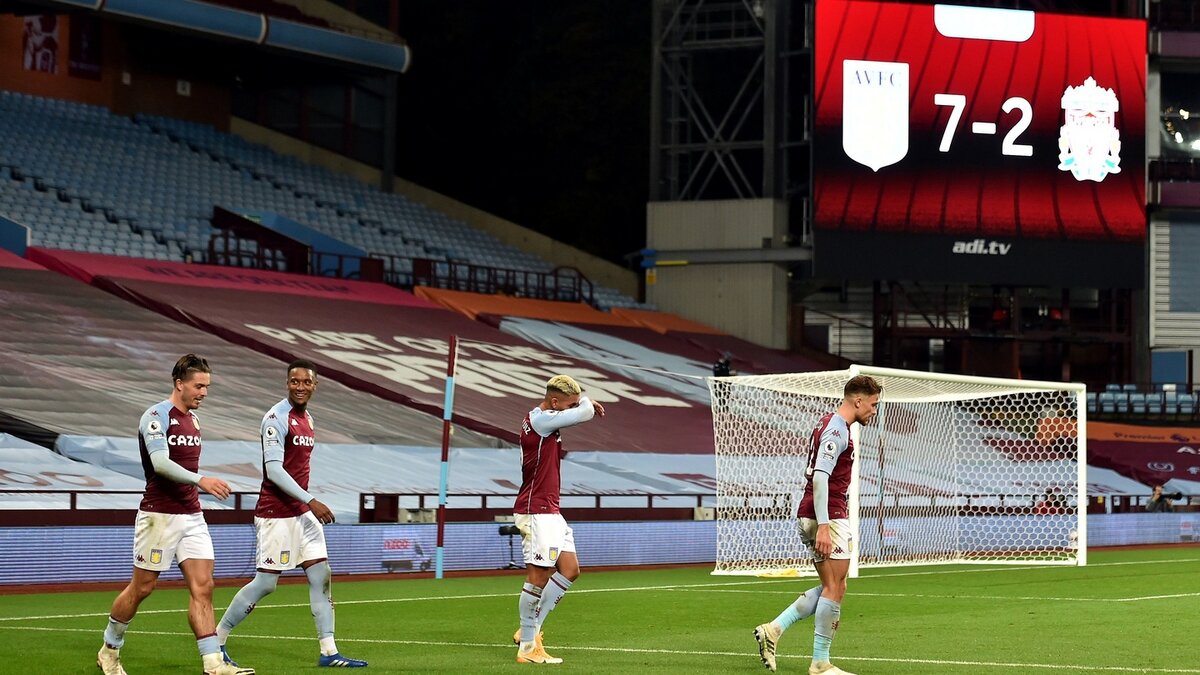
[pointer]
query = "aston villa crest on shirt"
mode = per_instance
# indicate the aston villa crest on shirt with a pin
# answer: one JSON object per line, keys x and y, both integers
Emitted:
{"x": 1089, "y": 143}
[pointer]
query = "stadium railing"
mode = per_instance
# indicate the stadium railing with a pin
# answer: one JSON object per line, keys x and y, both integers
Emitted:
{"x": 72, "y": 512}
{"x": 389, "y": 507}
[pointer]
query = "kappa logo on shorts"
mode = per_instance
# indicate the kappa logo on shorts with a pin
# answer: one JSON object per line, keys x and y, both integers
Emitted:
{"x": 553, "y": 554}
{"x": 269, "y": 561}
{"x": 284, "y": 557}
{"x": 538, "y": 556}
{"x": 140, "y": 558}
{"x": 155, "y": 556}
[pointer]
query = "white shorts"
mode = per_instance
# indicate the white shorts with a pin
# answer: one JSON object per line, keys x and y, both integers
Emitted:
{"x": 159, "y": 538}
{"x": 839, "y": 531}
{"x": 284, "y": 543}
{"x": 543, "y": 537}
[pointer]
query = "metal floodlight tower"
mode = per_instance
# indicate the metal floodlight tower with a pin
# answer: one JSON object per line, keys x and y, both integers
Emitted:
{"x": 724, "y": 116}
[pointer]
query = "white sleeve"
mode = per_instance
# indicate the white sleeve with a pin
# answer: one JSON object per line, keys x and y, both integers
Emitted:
{"x": 273, "y": 432}
{"x": 546, "y": 422}
{"x": 153, "y": 433}
{"x": 169, "y": 469}
{"x": 831, "y": 446}
{"x": 820, "y": 483}
{"x": 284, "y": 481}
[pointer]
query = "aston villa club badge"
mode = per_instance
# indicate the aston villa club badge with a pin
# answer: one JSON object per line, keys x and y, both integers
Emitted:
{"x": 1089, "y": 143}
{"x": 875, "y": 112}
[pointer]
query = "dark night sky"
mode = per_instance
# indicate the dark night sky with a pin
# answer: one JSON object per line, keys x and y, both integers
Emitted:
{"x": 537, "y": 111}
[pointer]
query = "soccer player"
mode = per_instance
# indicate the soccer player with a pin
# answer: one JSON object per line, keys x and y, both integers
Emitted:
{"x": 825, "y": 527}
{"x": 546, "y": 540}
{"x": 288, "y": 519}
{"x": 169, "y": 522}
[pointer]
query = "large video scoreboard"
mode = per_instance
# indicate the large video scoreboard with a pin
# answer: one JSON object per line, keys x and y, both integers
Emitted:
{"x": 979, "y": 145}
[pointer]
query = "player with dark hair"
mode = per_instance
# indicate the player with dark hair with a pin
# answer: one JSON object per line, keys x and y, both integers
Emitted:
{"x": 288, "y": 520}
{"x": 825, "y": 527}
{"x": 547, "y": 542}
{"x": 170, "y": 525}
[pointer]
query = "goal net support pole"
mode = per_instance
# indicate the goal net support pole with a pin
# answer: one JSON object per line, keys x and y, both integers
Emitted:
{"x": 953, "y": 469}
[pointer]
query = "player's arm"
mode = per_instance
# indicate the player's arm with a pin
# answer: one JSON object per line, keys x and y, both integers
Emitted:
{"x": 546, "y": 422}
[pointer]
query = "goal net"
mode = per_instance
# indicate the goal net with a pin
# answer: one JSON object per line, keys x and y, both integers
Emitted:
{"x": 953, "y": 469}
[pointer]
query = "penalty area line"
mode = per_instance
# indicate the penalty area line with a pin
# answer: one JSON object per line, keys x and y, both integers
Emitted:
{"x": 667, "y": 652}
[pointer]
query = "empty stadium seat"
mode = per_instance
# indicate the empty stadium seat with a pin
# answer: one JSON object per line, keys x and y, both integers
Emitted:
{"x": 152, "y": 182}
{"x": 1154, "y": 403}
{"x": 1137, "y": 403}
{"x": 1187, "y": 404}
{"x": 1108, "y": 402}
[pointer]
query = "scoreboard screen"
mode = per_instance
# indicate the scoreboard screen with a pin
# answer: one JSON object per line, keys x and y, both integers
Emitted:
{"x": 978, "y": 145}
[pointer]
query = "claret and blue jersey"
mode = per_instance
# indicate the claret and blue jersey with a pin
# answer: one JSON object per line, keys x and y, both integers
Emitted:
{"x": 833, "y": 453}
{"x": 288, "y": 437}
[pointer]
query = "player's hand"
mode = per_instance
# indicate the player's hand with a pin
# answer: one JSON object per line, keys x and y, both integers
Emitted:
{"x": 214, "y": 486}
{"x": 824, "y": 543}
{"x": 322, "y": 512}
{"x": 598, "y": 408}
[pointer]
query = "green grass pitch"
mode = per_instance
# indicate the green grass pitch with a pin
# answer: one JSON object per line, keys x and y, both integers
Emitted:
{"x": 1128, "y": 611}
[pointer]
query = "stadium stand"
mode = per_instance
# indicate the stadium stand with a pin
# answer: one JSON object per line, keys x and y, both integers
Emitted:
{"x": 388, "y": 342}
{"x": 629, "y": 344}
{"x": 382, "y": 223}
{"x": 39, "y": 470}
{"x": 746, "y": 356}
{"x": 85, "y": 179}
{"x": 77, "y": 360}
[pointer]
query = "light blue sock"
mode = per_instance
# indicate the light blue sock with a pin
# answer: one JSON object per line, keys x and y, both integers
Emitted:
{"x": 527, "y": 606}
{"x": 208, "y": 645}
{"x": 114, "y": 634}
{"x": 551, "y": 594}
{"x": 802, "y": 608}
{"x": 829, "y": 614}
{"x": 262, "y": 585}
{"x": 320, "y": 598}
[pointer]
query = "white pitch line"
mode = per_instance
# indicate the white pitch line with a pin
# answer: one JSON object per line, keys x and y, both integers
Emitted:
{"x": 958, "y": 596}
{"x": 670, "y": 652}
{"x": 714, "y": 587}
{"x": 433, "y": 598}
{"x": 872, "y": 574}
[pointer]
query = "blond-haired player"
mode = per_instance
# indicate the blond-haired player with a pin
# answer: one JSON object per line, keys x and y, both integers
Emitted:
{"x": 546, "y": 540}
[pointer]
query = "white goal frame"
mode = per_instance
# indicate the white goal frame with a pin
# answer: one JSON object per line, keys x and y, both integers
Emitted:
{"x": 824, "y": 393}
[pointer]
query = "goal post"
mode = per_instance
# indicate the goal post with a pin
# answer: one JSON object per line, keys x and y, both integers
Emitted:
{"x": 953, "y": 469}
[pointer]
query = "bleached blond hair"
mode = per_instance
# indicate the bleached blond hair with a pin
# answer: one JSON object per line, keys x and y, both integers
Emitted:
{"x": 563, "y": 384}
